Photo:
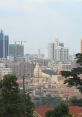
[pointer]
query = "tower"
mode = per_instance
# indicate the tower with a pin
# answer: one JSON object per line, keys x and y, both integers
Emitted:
{"x": 57, "y": 52}
{"x": 4, "y": 45}
{"x": 81, "y": 46}
{"x": 51, "y": 51}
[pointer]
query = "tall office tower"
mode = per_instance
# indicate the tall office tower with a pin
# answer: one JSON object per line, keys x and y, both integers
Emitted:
{"x": 51, "y": 50}
{"x": 4, "y": 45}
{"x": 81, "y": 45}
{"x": 16, "y": 50}
{"x": 58, "y": 52}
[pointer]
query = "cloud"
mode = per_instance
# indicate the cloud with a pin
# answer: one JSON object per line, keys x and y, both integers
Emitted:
{"x": 24, "y": 6}
{"x": 41, "y": 20}
{"x": 8, "y": 3}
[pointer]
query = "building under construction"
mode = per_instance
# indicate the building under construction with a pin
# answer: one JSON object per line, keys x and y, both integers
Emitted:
{"x": 16, "y": 50}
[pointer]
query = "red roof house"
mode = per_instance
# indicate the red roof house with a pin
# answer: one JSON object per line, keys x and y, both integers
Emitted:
{"x": 76, "y": 111}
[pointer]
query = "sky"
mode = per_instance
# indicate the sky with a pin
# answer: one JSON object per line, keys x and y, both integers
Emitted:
{"x": 38, "y": 22}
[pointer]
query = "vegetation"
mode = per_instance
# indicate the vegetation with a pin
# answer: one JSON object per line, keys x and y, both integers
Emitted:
{"x": 76, "y": 102}
{"x": 73, "y": 76}
{"x": 60, "y": 110}
{"x": 12, "y": 102}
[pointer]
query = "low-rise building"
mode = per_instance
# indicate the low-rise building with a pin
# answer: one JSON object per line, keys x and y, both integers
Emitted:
{"x": 4, "y": 70}
{"x": 76, "y": 111}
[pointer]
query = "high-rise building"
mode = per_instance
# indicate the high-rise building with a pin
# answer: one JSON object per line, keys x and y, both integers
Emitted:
{"x": 51, "y": 50}
{"x": 57, "y": 52}
{"x": 81, "y": 45}
{"x": 16, "y": 50}
{"x": 4, "y": 45}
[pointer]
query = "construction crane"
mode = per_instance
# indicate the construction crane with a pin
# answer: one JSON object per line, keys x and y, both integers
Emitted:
{"x": 20, "y": 42}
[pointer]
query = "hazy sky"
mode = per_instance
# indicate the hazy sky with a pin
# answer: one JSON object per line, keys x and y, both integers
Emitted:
{"x": 40, "y": 21}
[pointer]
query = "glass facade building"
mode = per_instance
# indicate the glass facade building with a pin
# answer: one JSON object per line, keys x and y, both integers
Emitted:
{"x": 4, "y": 45}
{"x": 16, "y": 50}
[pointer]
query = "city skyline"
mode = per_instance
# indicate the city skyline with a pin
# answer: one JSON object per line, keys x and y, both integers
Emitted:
{"x": 40, "y": 21}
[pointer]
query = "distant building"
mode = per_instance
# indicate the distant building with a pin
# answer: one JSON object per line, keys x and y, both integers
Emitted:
{"x": 51, "y": 50}
{"x": 4, "y": 70}
{"x": 4, "y": 45}
{"x": 16, "y": 50}
{"x": 57, "y": 52}
{"x": 22, "y": 68}
{"x": 81, "y": 45}
{"x": 61, "y": 44}
{"x": 61, "y": 54}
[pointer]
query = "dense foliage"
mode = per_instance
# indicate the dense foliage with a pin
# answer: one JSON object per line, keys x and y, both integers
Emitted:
{"x": 73, "y": 76}
{"x": 12, "y": 102}
{"x": 76, "y": 102}
{"x": 60, "y": 110}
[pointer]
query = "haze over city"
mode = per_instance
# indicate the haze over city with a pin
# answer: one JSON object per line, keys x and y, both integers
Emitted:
{"x": 40, "y": 21}
{"x": 40, "y": 58}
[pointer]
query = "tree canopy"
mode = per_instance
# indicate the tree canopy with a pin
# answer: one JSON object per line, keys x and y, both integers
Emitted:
{"x": 76, "y": 102}
{"x": 13, "y": 103}
{"x": 61, "y": 110}
{"x": 73, "y": 77}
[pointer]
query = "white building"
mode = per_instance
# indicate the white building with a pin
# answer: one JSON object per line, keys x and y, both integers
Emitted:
{"x": 57, "y": 52}
{"x": 61, "y": 54}
{"x": 4, "y": 70}
{"x": 51, "y": 50}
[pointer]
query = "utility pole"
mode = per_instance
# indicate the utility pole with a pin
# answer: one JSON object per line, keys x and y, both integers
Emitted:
{"x": 24, "y": 79}
{"x": 24, "y": 84}
{"x": 24, "y": 75}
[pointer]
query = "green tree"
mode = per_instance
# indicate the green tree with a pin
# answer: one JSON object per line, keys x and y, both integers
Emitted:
{"x": 76, "y": 102}
{"x": 68, "y": 115}
{"x": 9, "y": 93}
{"x": 60, "y": 110}
{"x": 28, "y": 106}
{"x": 73, "y": 76}
{"x": 50, "y": 113}
{"x": 12, "y": 102}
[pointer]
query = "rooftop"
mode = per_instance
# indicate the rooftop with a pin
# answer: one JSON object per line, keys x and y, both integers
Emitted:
{"x": 74, "y": 110}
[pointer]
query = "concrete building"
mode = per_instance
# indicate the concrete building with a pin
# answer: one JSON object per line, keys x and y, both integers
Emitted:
{"x": 81, "y": 45}
{"x": 4, "y": 70}
{"x": 22, "y": 68}
{"x": 63, "y": 67}
{"x": 61, "y": 54}
{"x": 4, "y": 45}
{"x": 44, "y": 84}
{"x": 51, "y": 50}
{"x": 16, "y": 50}
{"x": 57, "y": 52}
